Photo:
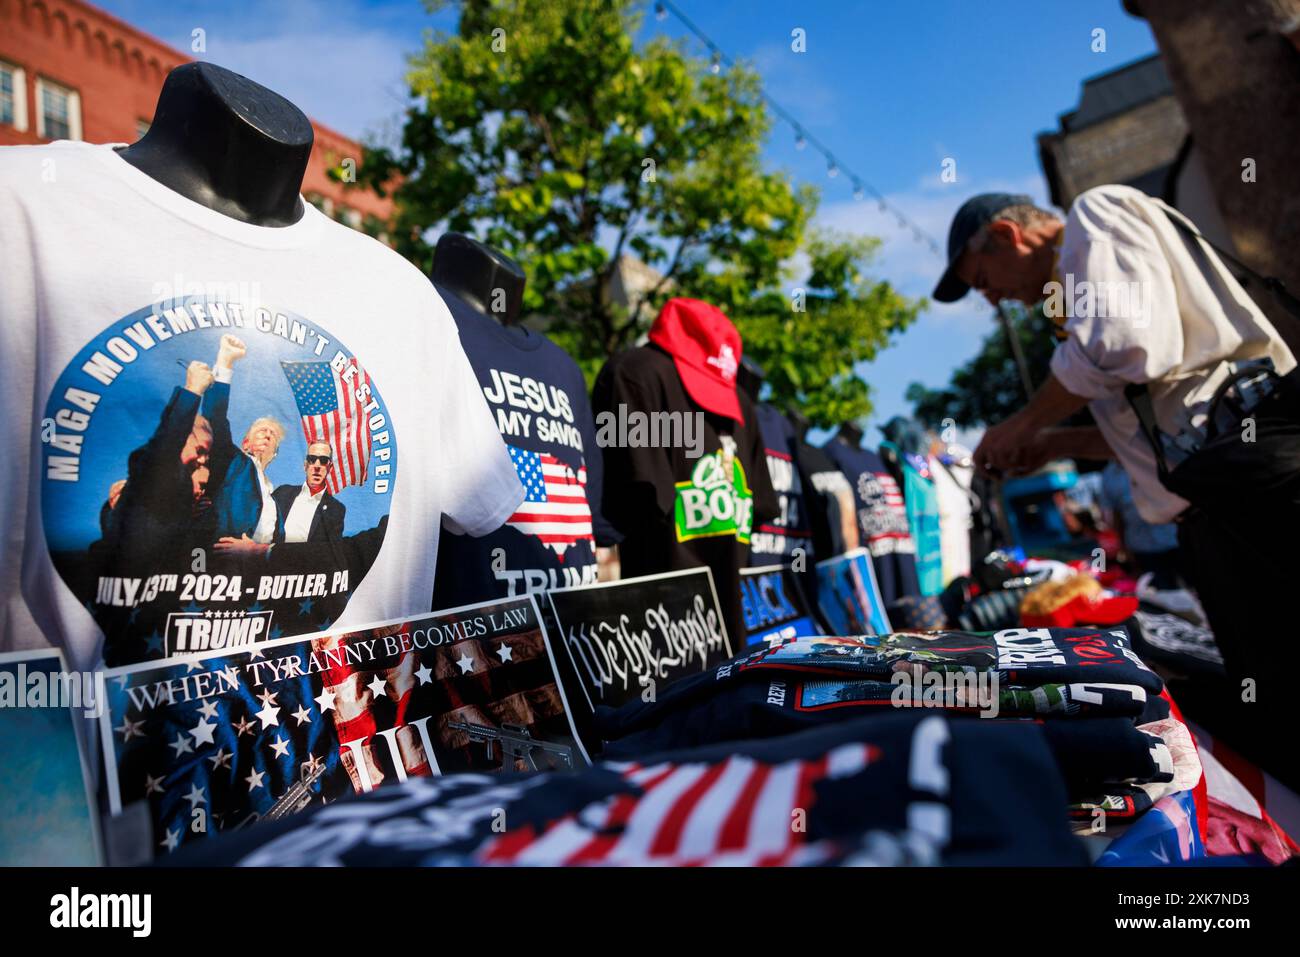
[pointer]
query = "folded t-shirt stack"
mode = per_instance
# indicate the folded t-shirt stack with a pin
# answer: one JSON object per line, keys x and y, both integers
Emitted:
{"x": 911, "y": 788}
{"x": 1086, "y": 687}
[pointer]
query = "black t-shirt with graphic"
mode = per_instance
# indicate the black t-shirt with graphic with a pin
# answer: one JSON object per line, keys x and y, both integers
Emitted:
{"x": 538, "y": 400}
{"x": 676, "y": 511}
{"x": 774, "y": 542}
{"x": 882, "y": 519}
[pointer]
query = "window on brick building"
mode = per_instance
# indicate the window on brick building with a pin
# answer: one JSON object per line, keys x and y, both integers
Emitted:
{"x": 13, "y": 96}
{"x": 58, "y": 111}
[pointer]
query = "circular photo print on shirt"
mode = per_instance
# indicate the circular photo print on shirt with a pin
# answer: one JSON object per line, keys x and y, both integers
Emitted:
{"x": 214, "y": 475}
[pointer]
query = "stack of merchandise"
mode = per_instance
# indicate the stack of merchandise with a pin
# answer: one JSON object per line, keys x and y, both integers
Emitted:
{"x": 1119, "y": 745}
{"x": 906, "y": 788}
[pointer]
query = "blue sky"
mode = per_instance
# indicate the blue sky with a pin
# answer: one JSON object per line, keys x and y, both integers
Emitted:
{"x": 892, "y": 87}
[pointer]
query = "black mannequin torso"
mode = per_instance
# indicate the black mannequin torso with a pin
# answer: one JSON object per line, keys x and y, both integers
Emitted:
{"x": 749, "y": 377}
{"x": 486, "y": 279}
{"x": 850, "y": 434}
{"x": 224, "y": 141}
{"x": 799, "y": 422}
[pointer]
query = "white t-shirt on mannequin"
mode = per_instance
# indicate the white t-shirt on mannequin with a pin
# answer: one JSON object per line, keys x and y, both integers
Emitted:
{"x": 131, "y": 510}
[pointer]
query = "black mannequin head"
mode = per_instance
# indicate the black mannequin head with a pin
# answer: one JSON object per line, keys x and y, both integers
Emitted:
{"x": 749, "y": 377}
{"x": 485, "y": 278}
{"x": 850, "y": 433}
{"x": 223, "y": 141}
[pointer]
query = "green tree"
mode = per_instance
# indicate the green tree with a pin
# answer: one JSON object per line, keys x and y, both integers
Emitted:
{"x": 987, "y": 389}
{"x": 543, "y": 129}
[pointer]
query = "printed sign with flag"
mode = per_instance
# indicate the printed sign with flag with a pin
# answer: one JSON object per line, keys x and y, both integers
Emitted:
{"x": 332, "y": 412}
{"x": 555, "y": 508}
{"x": 217, "y": 741}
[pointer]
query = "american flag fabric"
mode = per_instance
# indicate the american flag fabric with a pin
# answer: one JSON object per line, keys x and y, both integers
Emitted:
{"x": 331, "y": 412}
{"x": 219, "y": 740}
{"x": 555, "y": 508}
{"x": 888, "y": 790}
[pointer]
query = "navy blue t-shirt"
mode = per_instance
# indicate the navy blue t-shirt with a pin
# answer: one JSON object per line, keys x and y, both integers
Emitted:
{"x": 882, "y": 519}
{"x": 538, "y": 399}
{"x": 774, "y": 541}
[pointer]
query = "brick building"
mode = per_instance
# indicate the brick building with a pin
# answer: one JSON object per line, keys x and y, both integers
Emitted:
{"x": 1128, "y": 128}
{"x": 69, "y": 70}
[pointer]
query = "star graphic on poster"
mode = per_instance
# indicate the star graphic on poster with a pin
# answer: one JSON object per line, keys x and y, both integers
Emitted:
{"x": 203, "y": 733}
{"x": 192, "y": 663}
{"x": 196, "y": 796}
{"x": 466, "y": 663}
{"x": 130, "y": 729}
{"x": 303, "y": 716}
{"x": 221, "y": 759}
{"x": 268, "y": 716}
{"x": 181, "y": 744}
{"x": 191, "y": 609}
{"x": 424, "y": 674}
{"x": 325, "y": 623}
{"x": 313, "y": 763}
{"x": 280, "y": 746}
{"x": 505, "y": 653}
{"x": 277, "y": 632}
{"x": 325, "y": 700}
{"x": 304, "y": 607}
{"x": 378, "y": 687}
{"x": 231, "y": 674}
{"x": 154, "y": 642}
{"x": 153, "y": 785}
{"x": 244, "y": 726}
{"x": 253, "y": 609}
{"x": 255, "y": 780}
{"x": 254, "y": 652}
{"x": 209, "y": 710}
{"x": 172, "y": 840}
{"x": 266, "y": 697}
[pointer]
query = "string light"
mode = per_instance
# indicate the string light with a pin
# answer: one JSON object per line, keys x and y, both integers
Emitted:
{"x": 802, "y": 138}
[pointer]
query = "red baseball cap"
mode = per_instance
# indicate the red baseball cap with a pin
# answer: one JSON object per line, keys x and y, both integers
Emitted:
{"x": 706, "y": 349}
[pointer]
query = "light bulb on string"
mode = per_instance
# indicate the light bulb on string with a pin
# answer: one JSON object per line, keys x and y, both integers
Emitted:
{"x": 715, "y": 66}
{"x": 832, "y": 170}
{"x": 857, "y": 190}
{"x": 799, "y": 141}
{"x": 661, "y": 12}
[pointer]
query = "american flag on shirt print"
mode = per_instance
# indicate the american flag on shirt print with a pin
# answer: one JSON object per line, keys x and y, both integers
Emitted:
{"x": 555, "y": 509}
{"x": 331, "y": 412}
{"x": 736, "y": 812}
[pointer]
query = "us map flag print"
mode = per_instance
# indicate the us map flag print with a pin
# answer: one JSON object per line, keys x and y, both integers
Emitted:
{"x": 555, "y": 507}
{"x": 221, "y": 741}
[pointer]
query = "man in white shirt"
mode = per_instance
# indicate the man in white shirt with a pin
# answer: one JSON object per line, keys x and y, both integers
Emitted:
{"x": 1142, "y": 302}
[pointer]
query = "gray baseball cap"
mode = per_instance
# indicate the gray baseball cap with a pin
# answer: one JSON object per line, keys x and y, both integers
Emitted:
{"x": 976, "y": 213}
